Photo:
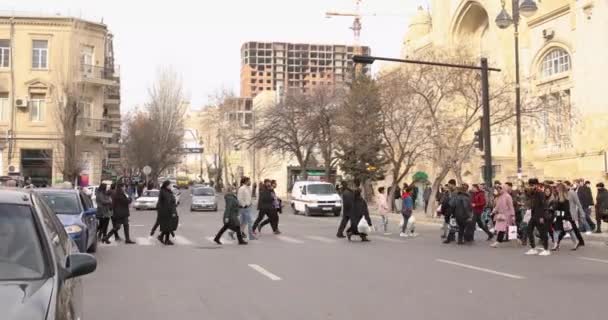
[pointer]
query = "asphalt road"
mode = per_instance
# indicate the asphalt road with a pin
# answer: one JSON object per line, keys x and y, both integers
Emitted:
{"x": 307, "y": 273}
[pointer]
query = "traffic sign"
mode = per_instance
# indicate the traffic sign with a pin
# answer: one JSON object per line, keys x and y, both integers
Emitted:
{"x": 191, "y": 150}
{"x": 147, "y": 170}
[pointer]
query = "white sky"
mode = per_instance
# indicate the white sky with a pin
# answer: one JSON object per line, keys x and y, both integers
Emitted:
{"x": 201, "y": 39}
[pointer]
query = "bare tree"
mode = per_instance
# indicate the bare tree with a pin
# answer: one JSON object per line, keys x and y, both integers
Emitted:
{"x": 404, "y": 130}
{"x": 155, "y": 135}
{"x": 285, "y": 128}
{"x": 323, "y": 104}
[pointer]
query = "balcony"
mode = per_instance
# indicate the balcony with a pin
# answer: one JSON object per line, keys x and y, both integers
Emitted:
{"x": 94, "y": 128}
{"x": 112, "y": 96}
{"x": 99, "y": 76}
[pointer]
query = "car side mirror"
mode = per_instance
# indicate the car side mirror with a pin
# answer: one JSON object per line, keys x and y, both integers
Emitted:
{"x": 90, "y": 212}
{"x": 80, "y": 264}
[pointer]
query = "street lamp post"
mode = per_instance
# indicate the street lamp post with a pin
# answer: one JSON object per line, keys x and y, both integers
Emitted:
{"x": 527, "y": 8}
{"x": 485, "y": 90}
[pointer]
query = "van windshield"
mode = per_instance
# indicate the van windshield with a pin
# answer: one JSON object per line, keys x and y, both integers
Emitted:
{"x": 320, "y": 189}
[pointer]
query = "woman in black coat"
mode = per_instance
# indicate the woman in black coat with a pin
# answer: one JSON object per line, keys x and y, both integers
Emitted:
{"x": 358, "y": 212}
{"x": 167, "y": 213}
{"x": 120, "y": 216}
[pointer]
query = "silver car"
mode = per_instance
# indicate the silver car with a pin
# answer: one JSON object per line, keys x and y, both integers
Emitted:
{"x": 203, "y": 199}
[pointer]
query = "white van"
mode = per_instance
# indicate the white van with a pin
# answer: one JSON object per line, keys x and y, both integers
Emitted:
{"x": 314, "y": 197}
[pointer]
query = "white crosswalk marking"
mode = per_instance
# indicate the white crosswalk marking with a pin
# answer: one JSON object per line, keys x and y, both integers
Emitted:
{"x": 321, "y": 239}
{"x": 385, "y": 239}
{"x": 289, "y": 239}
{"x": 145, "y": 241}
{"x": 180, "y": 240}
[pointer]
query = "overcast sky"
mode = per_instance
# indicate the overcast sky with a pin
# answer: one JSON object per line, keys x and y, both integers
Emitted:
{"x": 202, "y": 39}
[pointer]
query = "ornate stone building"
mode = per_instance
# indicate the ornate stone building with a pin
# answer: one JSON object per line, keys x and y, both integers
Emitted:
{"x": 563, "y": 54}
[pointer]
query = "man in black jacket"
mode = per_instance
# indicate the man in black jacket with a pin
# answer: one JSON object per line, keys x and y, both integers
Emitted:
{"x": 586, "y": 198}
{"x": 348, "y": 200}
{"x": 120, "y": 217}
{"x": 266, "y": 207}
{"x": 538, "y": 218}
{"x": 601, "y": 207}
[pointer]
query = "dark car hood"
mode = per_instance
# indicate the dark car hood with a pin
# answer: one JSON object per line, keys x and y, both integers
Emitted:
{"x": 69, "y": 219}
{"x": 27, "y": 300}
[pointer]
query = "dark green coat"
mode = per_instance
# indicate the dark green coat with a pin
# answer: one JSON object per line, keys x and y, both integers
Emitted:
{"x": 231, "y": 213}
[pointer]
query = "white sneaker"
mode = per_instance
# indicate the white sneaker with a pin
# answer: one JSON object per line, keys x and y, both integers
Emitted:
{"x": 567, "y": 236}
{"x": 531, "y": 252}
{"x": 545, "y": 253}
{"x": 413, "y": 234}
{"x": 494, "y": 245}
{"x": 588, "y": 233}
{"x": 403, "y": 235}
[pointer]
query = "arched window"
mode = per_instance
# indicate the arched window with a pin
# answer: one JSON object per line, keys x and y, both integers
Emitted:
{"x": 556, "y": 61}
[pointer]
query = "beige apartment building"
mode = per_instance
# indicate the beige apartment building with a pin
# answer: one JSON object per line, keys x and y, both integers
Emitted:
{"x": 563, "y": 50}
{"x": 43, "y": 61}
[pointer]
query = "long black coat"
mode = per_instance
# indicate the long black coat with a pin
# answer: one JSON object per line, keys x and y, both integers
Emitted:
{"x": 585, "y": 196}
{"x": 167, "y": 211}
{"x": 348, "y": 201}
{"x": 359, "y": 212}
{"x": 120, "y": 205}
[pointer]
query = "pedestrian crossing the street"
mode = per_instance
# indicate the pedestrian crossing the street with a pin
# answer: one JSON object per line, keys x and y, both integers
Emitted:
{"x": 181, "y": 240}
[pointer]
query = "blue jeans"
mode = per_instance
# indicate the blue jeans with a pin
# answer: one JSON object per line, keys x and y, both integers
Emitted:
{"x": 384, "y": 223}
{"x": 582, "y": 221}
{"x": 246, "y": 220}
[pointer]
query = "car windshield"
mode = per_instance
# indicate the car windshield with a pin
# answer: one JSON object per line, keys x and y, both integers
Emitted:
{"x": 151, "y": 194}
{"x": 321, "y": 189}
{"x": 63, "y": 203}
{"x": 20, "y": 249}
{"x": 203, "y": 192}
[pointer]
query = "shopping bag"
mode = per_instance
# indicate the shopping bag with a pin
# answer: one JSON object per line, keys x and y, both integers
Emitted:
{"x": 363, "y": 227}
{"x": 567, "y": 226}
{"x": 527, "y": 216}
{"x": 512, "y": 233}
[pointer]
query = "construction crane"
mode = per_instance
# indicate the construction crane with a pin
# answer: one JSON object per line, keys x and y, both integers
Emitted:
{"x": 357, "y": 25}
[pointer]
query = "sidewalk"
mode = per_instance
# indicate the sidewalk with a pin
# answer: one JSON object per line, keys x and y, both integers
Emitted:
{"x": 422, "y": 218}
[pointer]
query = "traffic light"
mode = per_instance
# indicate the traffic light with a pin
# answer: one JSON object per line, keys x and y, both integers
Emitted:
{"x": 479, "y": 140}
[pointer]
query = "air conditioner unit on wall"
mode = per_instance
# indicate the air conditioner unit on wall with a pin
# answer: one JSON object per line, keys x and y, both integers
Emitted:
{"x": 21, "y": 103}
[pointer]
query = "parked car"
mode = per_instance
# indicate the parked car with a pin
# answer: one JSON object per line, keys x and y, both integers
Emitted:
{"x": 314, "y": 197}
{"x": 148, "y": 200}
{"x": 39, "y": 263}
{"x": 203, "y": 199}
{"x": 76, "y": 212}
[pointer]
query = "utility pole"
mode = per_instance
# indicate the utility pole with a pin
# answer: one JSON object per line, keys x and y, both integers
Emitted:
{"x": 487, "y": 135}
{"x": 11, "y": 133}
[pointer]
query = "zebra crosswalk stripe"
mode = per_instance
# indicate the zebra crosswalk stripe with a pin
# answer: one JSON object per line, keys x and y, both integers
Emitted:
{"x": 321, "y": 239}
{"x": 289, "y": 239}
{"x": 180, "y": 240}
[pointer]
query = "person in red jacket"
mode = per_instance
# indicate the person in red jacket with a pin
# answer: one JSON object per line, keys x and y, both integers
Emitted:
{"x": 479, "y": 203}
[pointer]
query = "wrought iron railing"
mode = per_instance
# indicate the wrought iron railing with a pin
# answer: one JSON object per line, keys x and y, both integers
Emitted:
{"x": 94, "y": 125}
{"x": 97, "y": 72}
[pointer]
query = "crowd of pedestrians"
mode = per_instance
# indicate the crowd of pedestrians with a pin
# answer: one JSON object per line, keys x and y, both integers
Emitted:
{"x": 548, "y": 211}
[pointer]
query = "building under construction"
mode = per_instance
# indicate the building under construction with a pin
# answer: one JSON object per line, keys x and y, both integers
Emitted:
{"x": 277, "y": 66}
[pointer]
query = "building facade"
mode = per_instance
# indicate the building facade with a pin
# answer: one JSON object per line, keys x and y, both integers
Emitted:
{"x": 561, "y": 59}
{"x": 45, "y": 62}
{"x": 276, "y": 66}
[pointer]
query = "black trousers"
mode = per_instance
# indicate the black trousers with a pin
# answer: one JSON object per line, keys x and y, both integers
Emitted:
{"x": 234, "y": 227}
{"x": 261, "y": 214}
{"x": 102, "y": 228}
{"x": 542, "y": 228}
{"x": 482, "y": 224}
{"x": 272, "y": 219}
{"x": 116, "y": 224}
{"x": 343, "y": 224}
{"x": 598, "y": 220}
{"x": 562, "y": 233}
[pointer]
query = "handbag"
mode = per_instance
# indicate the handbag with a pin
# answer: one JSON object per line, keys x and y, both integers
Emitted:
{"x": 567, "y": 225}
{"x": 527, "y": 216}
{"x": 363, "y": 227}
{"x": 512, "y": 232}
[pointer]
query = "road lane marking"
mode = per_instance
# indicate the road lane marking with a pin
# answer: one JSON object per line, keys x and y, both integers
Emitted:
{"x": 265, "y": 272}
{"x": 182, "y": 241}
{"x": 468, "y": 266}
{"x": 289, "y": 239}
{"x": 145, "y": 241}
{"x": 387, "y": 239}
{"x": 137, "y": 225}
{"x": 594, "y": 260}
{"x": 321, "y": 239}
